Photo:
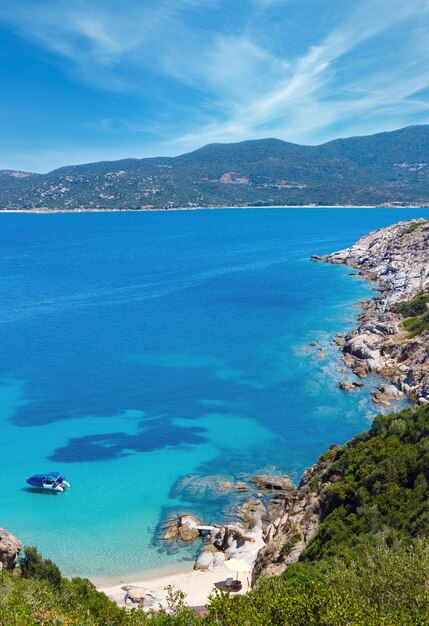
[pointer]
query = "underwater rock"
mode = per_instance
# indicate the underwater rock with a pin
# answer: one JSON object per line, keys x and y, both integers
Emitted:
{"x": 196, "y": 487}
{"x": 347, "y": 386}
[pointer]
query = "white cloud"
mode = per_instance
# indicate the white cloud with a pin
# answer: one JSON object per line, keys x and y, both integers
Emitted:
{"x": 308, "y": 100}
{"x": 248, "y": 85}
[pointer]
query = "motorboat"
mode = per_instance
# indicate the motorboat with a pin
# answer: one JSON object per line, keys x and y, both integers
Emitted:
{"x": 53, "y": 481}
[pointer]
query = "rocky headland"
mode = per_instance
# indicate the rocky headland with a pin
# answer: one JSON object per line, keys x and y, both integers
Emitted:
{"x": 393, "y": 332}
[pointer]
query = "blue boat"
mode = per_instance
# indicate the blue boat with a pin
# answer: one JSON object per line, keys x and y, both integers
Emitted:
{"x": 53, "y": 481}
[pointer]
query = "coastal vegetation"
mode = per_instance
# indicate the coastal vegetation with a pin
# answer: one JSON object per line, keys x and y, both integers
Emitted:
{"x": 414, "y": 307}
{"x": 416, "y": 314}
{"x": 416, "y": 325}
{"x": 368, "y": 564}
{"x": 410, "y": 229}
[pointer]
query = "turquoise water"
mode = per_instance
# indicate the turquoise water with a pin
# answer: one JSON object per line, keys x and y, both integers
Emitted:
{"x": 141, "y": 348}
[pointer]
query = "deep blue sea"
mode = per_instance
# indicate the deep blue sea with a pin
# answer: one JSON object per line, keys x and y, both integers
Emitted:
{"x": 141, "y": 348}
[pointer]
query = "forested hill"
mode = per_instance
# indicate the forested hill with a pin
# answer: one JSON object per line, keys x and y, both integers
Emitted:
{"x": 382, "y": 169}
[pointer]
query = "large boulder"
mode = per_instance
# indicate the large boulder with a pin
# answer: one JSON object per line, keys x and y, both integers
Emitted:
{"x": 386, "y": 392}
{"x": 10, "y": 547}
{"x": 182, "y": 527}
{"x": 204, "y": 561}
{"x": 139, "y": 595}
{"x": 273, "y": 481}
{"x": 188, "y": 527}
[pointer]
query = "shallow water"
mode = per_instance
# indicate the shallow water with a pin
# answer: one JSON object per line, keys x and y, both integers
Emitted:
{"x": 139, "y": 348}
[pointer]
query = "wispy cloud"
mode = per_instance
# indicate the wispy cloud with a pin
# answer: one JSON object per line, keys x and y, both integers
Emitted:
{"x": 210, "y": 70}
{"x": 310, "y": 98}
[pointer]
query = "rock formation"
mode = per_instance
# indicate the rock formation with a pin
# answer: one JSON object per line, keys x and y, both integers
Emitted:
{"x": 184, "y": 527}
{"x": 296, "y": 521}
{"x": 242, "y": 540}
{"x": 397, "y": 259}
{"x": 10, "y": 547}
{"x": 139, "y": 595}
{"x": 273, "y": 481}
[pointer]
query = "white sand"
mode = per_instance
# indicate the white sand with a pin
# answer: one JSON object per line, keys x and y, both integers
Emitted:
{"x": 197, "y": 586}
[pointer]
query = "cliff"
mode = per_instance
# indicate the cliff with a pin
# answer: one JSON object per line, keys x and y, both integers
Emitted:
{"x": 297, "y": 520}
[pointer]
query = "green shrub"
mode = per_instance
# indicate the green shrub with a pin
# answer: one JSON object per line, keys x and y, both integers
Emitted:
{"x": 416, "y": 325}
{"x": 416, "y": 306}
{"x": 413, "y": 227}
{"x": 291, "y": 543}
{"x": 33, "y": 565}
{"x": 383, "y": 487}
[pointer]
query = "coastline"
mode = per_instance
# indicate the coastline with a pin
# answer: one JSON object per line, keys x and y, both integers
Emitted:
{"x": 199, "y": 585}
{"x": 44, "y": 211}
{"x": 196, "y": 585}
{"x": 395, "y": 260}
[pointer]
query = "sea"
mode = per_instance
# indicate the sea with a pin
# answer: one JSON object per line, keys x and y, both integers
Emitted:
{"x": 146, "y": 354}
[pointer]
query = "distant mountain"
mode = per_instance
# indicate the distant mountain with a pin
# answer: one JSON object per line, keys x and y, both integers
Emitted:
{"x": 382, "y": 169}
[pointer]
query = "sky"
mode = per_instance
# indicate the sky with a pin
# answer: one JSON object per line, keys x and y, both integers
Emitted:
{"x": 91, "y": 80}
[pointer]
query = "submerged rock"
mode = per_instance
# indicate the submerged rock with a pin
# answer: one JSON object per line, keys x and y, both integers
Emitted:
{"x": 347, "y": 386}
{"x": 196, "y": 487}
{"x": 226, "y": 485}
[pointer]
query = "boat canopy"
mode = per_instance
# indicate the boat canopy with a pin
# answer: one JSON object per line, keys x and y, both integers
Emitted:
{"x": 38, "y": 480}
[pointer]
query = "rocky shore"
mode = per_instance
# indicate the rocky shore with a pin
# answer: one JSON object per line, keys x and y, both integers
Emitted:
{"x": 396, "y": 258}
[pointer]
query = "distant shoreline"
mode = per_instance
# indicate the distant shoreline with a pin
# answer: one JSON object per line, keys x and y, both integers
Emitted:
{"x": 46, "y": 211}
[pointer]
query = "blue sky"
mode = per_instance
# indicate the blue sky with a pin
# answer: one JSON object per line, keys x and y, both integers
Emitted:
{"x": 90, "y": 80}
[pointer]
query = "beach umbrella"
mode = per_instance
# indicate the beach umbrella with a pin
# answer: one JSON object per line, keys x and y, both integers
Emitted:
{"x": 238, "y": 565}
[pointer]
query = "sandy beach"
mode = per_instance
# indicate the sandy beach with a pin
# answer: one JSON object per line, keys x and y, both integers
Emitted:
{"x": 197, "y": 585}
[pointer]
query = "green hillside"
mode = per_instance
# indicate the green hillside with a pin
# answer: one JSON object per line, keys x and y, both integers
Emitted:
{"x": 384, "y": 168}
{"x": 367, "y": 566}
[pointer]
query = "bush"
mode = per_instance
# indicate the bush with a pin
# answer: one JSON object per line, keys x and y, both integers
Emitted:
{"x": 33, "y": 565}
{"x": 416, "y": 325}
{"x": 416, "y": 306}
{"x": 413, "y": 227}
